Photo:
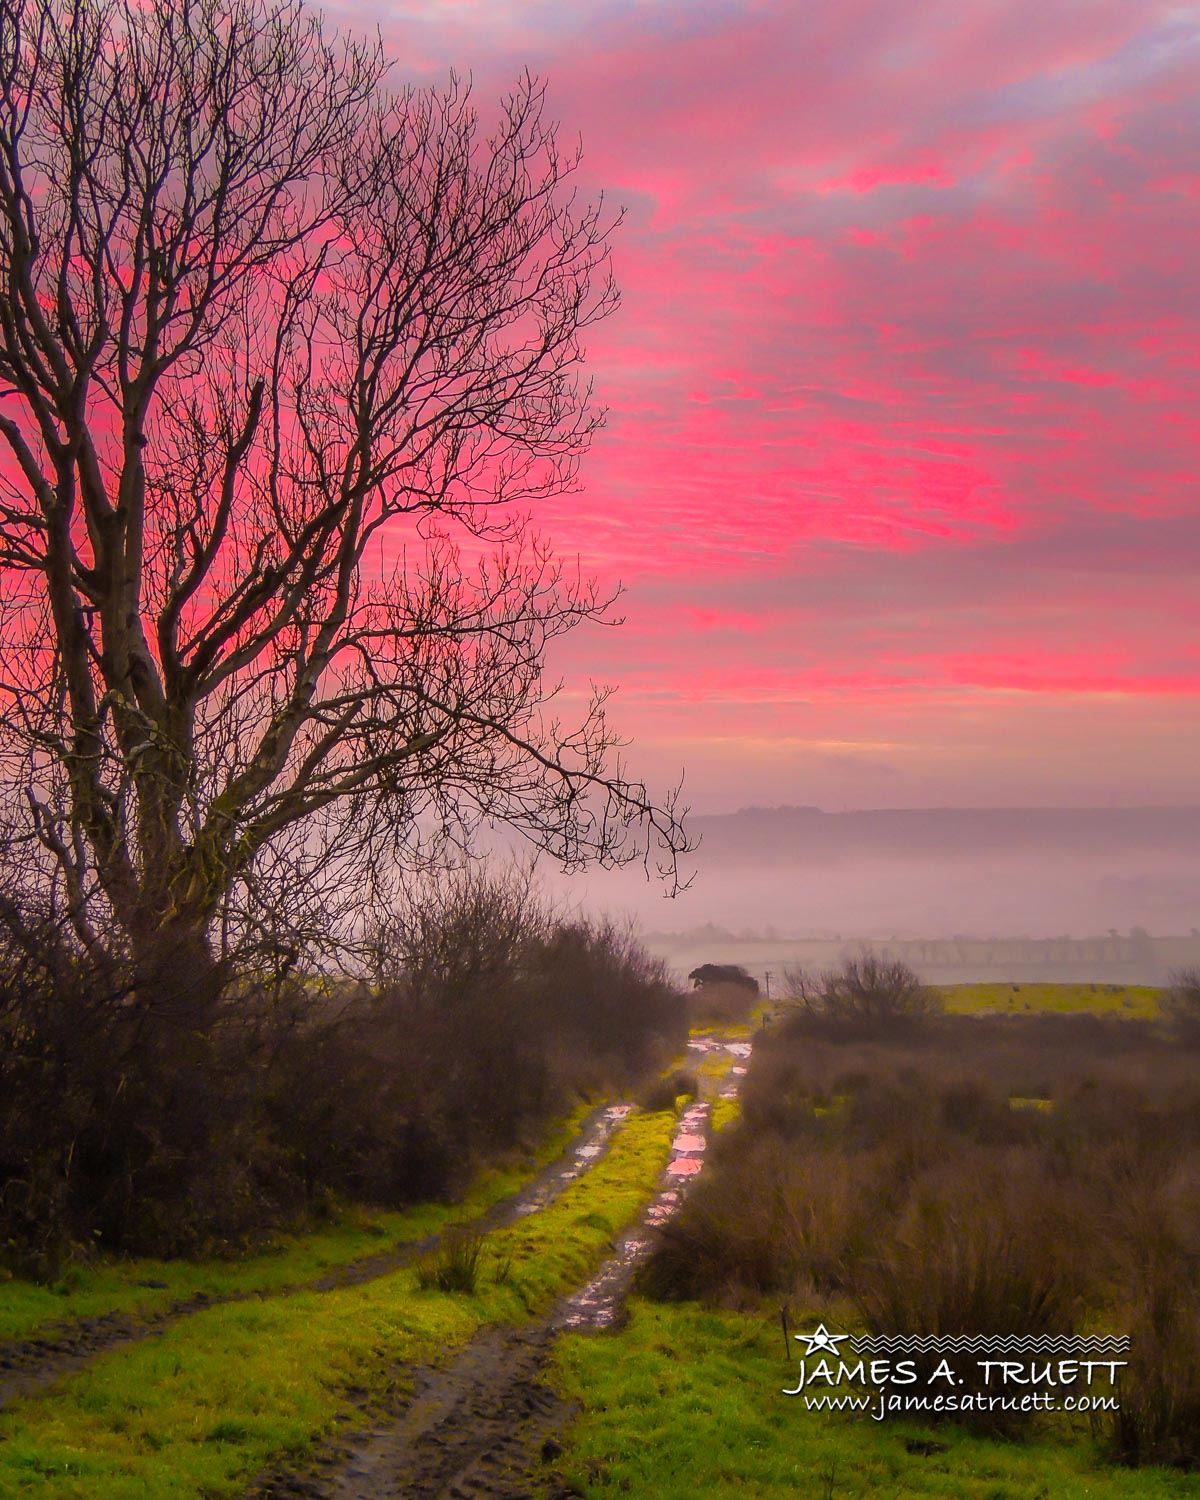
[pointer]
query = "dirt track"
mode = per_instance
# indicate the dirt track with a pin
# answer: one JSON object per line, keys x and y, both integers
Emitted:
{"x": 482, "y": 1426}
{"x": 486, "y": 1424}
{"x": 30, "y": 1365}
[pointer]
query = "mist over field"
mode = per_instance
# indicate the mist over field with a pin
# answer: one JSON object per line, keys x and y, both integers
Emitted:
{"x": 926, "y": 873}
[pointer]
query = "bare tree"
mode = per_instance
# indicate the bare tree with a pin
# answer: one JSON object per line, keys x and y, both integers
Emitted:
{"x": 285, "y": 358}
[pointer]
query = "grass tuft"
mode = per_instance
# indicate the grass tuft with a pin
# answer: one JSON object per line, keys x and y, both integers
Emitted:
{"x": 452, "y": 1265}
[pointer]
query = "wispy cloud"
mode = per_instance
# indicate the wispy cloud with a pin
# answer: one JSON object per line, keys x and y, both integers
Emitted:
{"x": 904, "y": 390}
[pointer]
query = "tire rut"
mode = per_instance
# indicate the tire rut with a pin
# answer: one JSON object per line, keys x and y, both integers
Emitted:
{"x": 29, "y": 1366}
{"x": 471, "y": 1430}
{"x": 485, "y": 1425}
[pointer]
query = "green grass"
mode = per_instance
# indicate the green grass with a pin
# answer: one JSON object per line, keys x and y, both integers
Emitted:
{"x": 87, "y": 1290}
{"x": 685, "y": 1403}
{"x": 712, "y": 1067}
{"x": 1138, "y": 1001}
{"x": 193, "y": 1414}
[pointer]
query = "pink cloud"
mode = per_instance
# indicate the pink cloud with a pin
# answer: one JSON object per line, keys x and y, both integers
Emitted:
{"x": 911, "y": 295}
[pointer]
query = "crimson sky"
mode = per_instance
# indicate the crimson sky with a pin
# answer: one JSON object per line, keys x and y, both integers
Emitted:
{"x": 900, "y": 471}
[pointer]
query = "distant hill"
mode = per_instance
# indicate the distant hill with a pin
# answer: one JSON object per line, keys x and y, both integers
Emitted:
{"x": 807, "y": 835}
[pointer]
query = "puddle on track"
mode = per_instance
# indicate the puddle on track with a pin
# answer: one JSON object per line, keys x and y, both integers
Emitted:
{"x": 594, "y": 1145}
{"x": 597, "y": 1305}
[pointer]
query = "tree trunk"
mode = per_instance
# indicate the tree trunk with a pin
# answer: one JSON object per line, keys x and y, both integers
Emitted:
{"x": 176, "y": 978}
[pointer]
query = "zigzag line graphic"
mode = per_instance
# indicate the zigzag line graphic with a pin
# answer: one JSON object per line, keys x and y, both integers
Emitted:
{"x": 991, "y": 1343}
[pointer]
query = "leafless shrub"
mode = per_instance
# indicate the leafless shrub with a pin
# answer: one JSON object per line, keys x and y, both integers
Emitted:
{"x": 488, "y": 1018}
{"x": 721, "y": 993}
{"x": 721, "y": 1004}
{"x": 1181, "y": 1004}
{"x": 864, "y": 991}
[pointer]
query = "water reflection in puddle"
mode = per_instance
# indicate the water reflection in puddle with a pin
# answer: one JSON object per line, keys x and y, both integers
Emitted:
{"x": 689, "y": 1143}
{"x": 663, "y": 1207}
{"x": 583, "y": 1155}
{"x": 596, "y": 1305}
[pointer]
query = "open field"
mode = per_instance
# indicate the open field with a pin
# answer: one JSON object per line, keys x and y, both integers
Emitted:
{"x": 687, "y": 1402}
{"x": 882, "y": 1181}
{"x": 1132, "y": 1000}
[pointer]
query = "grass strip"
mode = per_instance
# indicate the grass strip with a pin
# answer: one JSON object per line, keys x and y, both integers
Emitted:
{"x": 194, "y": 1414}
{"x": 685, "y": 1402}
{"x": 120, "y": 1286}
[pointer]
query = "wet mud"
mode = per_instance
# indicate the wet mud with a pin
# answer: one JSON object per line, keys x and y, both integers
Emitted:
{"x": 487, "y": 1425}
{"x": 29, "y": 1366}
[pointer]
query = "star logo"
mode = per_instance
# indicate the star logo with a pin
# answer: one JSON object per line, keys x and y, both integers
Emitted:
{"x": 822, "y": 1340}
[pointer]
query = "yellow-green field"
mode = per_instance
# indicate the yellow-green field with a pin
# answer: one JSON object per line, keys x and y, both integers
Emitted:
{"x": 1133, "y": 1000}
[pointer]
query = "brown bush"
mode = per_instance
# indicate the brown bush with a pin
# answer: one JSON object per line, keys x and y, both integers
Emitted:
{"x": 1181, "y": 1004}
{"x": 157, "y": 1131}
{"x": 892, "y": 1170}
{"x": 867, "y": 991}
{"x": 789, "y": 1214}
{"x": 721, "y": 1003}
{"x": 1153, "y": 1235}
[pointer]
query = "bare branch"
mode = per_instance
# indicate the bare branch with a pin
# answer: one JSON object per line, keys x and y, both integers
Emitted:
{"x": 286, "y": 357}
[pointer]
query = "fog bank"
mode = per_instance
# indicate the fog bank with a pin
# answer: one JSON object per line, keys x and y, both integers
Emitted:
{"x": 1036, "y": 873}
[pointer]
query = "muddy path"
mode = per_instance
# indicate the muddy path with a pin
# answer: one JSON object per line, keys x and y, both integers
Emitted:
{"x": 32, "y": 1364}
{"x": 487, "y": 1424}
{"x": 481, "y": 1425}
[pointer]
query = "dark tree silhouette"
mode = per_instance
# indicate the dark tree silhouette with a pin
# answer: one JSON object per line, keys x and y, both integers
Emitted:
{"x": 285, "y": 358}
{"x": 708, "y": 975}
